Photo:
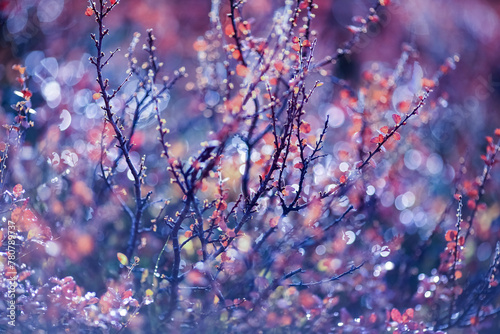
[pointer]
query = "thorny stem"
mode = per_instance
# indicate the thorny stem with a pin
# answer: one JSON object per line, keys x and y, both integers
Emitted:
{"x": 479, "y": 295}
{"x": 479, "y": 298}
{"x": 20, "y": 124}
{"x": 331, "y": 279}
{"x": 486, "y": 172}
{"x": 306, "y": 241}
{"x": 456, "y": 253}
{"x": 174, "y": 165}
{"x": 250, "y": 145}
{"x": 253, "y": 202}
{"x": 274, "y": 165}
{"x": 394, "y": 130}
{"x": 106, "y": 177}
{"x": 305, "y": 165}
{"x": 100, "y": 14}
{"x": 175, "y": 279}
{"x": 235, "y": 29}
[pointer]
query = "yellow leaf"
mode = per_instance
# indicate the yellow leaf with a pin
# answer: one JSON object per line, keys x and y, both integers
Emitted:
{"x": 122, "y": 258}
{"x": 32, "y": 233}
{"x": 145, "y": 275}
{"x": 149, "y": 293}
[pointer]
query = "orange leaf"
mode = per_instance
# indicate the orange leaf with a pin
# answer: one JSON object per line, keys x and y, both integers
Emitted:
{"x": 308, "y": 300}
{"x": 404, "y": 106}
{"x": 273, "y": 222}
{"x": 396, "y": 118}
{"x": 27, "y": 94}
{"x": 296, "y": 47}
{"x": 384, "y": 129}
{"x": 228, "y": 30}
{"x": 343, "y": 155}
{"x": 396, "y": 136}
{"x": 96, "y": 96}
{"x": 377, "y": 140}
{"x": 244, "y": 28}
{"x": 113, "y": 2}
{"x": 242, "y": 70}
{"x": 222, "y": 205}
{"x": 127, "y": 294}
{"x": 410, "y": 313}
{"x": 18, "y": 190}
{"x": 236, "y": 54}
{"x": 497, "y": 132}
{"x": 93, "y": 300}
{"x": 122, "y": 258}
{"x": 278, "y": 65}
{"x": 451, "y": 235}
{"x": 343, "y": 179}
{"x": 461, "y": 240}
{"x": 89, "y": 11}
{"x": 305, "y": 127}
{"x": 385, "y": 2}
{"x": 82, "y": 191}
{"x": 11, "y": 272}
{"x": 24, "y": 275}
{"x": 200, "y": 45}
{"x": 473, "y": 193}
{"x": 16, "y": 214}
{"x": 19, "y": 68}
{"x": 85, "y": 244}
{"x": 396, "y": 315}
{"x": 204, "y": 185}
{"x": 429, "y": 83}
